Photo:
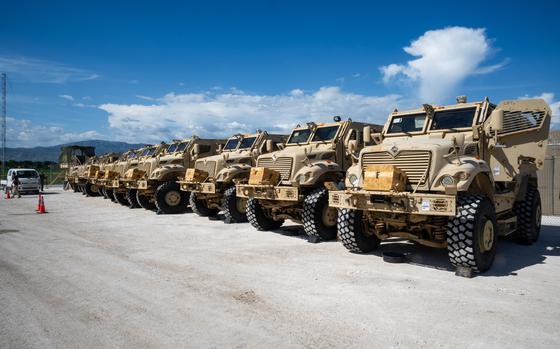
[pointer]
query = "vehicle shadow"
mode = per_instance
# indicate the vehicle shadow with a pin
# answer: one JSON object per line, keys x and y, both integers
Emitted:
{"x": 510, "y": 257}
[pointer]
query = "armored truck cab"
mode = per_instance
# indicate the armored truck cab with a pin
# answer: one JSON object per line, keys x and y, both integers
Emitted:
{"x": 95, "y": 173}
{"x": 155, "y": 185}
{"x": 118, "y": 185}
{"x": 211, "y": 182}
{"x": 72, "y": 159}
{"x": 290, "y": 183}
{"x": 452, "y": 177}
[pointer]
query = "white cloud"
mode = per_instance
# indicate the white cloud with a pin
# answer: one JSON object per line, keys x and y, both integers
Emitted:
{"x": 36, "y": 70}
{"x": 25, "y": 133}
{"x": 220, "y": 115}
{"x": 446, "y": 57}
{"x": 67, "y": 97}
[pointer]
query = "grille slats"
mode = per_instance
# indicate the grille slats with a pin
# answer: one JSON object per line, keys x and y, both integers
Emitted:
{"x": 281, "y": 165}
{"x": 412, "y": 162}
{"x": 209, "y": 167}
{"x": 518, "y": 121}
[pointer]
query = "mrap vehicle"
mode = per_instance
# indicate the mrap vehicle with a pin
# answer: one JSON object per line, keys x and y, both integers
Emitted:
{"x": 454, "y": 177}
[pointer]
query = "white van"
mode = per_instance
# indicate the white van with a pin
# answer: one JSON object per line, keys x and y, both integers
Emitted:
{"x": 29, "y": 180}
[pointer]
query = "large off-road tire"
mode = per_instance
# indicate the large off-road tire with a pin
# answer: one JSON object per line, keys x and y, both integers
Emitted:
{"x": 91, "y": 190}
{"x": 258, "y": 217}
{"x": 145, "y": 201}
{"x": 120, "y": 198}
{"x": 529, "y": 212}
{"x": 170, "y": 199}
{"x": 74, "y": 187}
{"x": 319, "y": 220}
{"x": 131, "y": 198}
{"x": 110, "y": 194}
{"x": 352, "y": 232}
{"x": 235, "y": 209}
{"x": 200, "y": 208}
{"x": 472, "y": 234}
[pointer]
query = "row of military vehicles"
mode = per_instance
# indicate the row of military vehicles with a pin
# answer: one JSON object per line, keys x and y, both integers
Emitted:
{"x": 455, "y": 177}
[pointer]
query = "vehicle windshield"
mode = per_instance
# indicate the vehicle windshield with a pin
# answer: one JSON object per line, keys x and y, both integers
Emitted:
{"x": 451, "y": 119}
{"x": 132, "y": 155}
{"x": 231, "y": 144}
{"x": 407, "y": 123}
{"x": 172, "y": 148}
{"x": 27, "y": 174}
{"x": 325, "y": 133}
{"x": 299, "y": 136}
{"x": 247, "y": 142}
{"x": 151, "y": 151}
{"x": 181, "y": 148}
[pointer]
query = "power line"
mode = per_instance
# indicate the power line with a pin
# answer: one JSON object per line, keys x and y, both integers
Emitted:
{"x": 4, "y": 88}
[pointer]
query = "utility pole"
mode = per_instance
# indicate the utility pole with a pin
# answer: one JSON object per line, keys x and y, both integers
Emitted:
{"x": 4, "y": 88}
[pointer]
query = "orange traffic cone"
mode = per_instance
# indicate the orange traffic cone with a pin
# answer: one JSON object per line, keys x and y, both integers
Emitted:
{"x": 8, "y": 194}
{"x": 42, "y": 208}
{"x": 39, "y": 203}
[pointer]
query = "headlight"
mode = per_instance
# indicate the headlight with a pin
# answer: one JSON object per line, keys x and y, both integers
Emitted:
{"x": 447, "y": 180}
{"x": 301, "y": 178}
{"x": 353, "y": 180}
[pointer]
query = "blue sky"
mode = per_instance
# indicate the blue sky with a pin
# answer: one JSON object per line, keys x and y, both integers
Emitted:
{"x": 145, "y": 72}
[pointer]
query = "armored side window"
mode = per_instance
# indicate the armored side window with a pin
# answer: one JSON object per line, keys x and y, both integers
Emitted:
{"x": 204, "y": 148}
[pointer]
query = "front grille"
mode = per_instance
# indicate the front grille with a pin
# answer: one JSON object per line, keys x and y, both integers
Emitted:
{"x": 206, "y": 166}
{"x": 281, "y": 165}
{"x": 412, "y": 162}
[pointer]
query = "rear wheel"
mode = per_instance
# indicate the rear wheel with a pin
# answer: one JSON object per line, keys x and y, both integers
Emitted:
{"x": 319, "y": 220}
{"x": 529, "y": 214}
{"x": 353, "y": 232}
{"x": 74, "y": 187}
{"x": 120, "y": 198}
{"x": 235, "y": 208}
{"x": 145, "y": 202}
{"x": 170, "y": 199}
{"x": 259, "y": 218}
{"x": 472, "y": 234}
{"x": 131, "y": 198}
{"x": 200, "y": 207}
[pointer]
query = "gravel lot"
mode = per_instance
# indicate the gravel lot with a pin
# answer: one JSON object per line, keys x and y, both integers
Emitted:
{"x": 94, "y": 273}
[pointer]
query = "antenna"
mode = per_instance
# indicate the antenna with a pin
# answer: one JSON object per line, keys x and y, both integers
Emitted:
{"x": 4, "y": 84}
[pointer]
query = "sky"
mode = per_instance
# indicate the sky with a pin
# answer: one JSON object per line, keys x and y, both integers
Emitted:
{"x": 146, "y": 72}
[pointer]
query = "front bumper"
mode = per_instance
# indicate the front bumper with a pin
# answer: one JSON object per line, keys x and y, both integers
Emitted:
{"x": 197, "y": 187}
{"x": 267, "y": 192}
{"x": 394, "y": 202}
{"x": 130, "y": 183}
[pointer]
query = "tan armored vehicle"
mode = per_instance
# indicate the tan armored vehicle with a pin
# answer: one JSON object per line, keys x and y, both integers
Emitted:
{"x": 72, "y": 159}
{"x": 95, "y": 173}
{"x": 290, "y": 183}
{"x": 211, "y": 182}
{"x": 454, "y": 177}
{"x": 154, "y": 183}
{"x": 110, "y": 180}
{"x": 118, "y": 184}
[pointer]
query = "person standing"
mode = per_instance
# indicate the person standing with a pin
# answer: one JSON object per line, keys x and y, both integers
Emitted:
{"x": 15, "y": 186}
{"x": 42, "y": 179}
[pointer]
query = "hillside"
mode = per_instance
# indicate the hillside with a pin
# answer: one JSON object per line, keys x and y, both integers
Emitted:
{"x": 51, "y": 153}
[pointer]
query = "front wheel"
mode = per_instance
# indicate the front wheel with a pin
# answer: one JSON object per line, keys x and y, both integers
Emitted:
{"x": 319, "y": 220}
{"x": 131, "y": 198}
{"x": 120, "y": 198}
{"x": 235, "y": 208}
{"x": 472, "y": 234}
{"x": 200, "y": 207}
{"x": 91, "y": 189}
{"x": 170, "y": 199}
{"x": 529, "y": 214}
{"x": 145, "y": 202}
{"x": 259, "y": 218}
{"x": 353, "y": 232}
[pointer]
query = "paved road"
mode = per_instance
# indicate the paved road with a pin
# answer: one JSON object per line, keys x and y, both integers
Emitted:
{"x": 93, "y": 273}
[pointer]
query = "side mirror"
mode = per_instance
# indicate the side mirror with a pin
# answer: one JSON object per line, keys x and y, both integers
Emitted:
{"x": 196, "y": 149}
{"x": 269, "y": 146}
{"x": 495, "y": 121}
{"x": 352, "y": 146}
{"x": 220, "y": 148}
{"x": 367, "y": 135}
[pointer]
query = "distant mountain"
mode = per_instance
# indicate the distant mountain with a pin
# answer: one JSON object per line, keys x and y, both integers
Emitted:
{"x": 51, "y": 153}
